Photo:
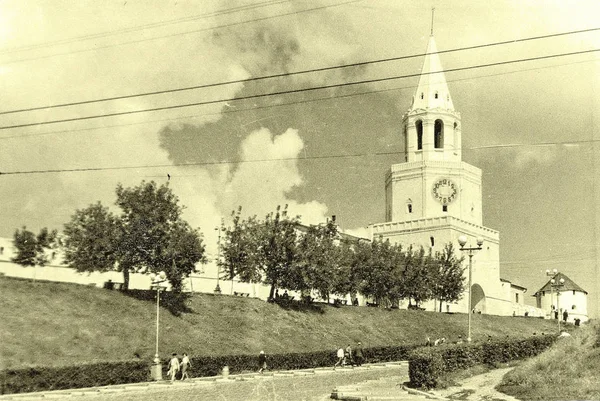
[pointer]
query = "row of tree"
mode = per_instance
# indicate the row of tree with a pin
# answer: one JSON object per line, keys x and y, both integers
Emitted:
{"x": 282, "y": 253}
{"x": 147, "y": 233}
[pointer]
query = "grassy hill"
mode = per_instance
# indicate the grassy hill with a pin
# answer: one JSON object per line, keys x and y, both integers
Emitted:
{"x": 567, "y": 371}
{"x": 45, "y": 323}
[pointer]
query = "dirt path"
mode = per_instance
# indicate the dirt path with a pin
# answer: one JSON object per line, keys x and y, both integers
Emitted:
{"x": 478, "y": 388}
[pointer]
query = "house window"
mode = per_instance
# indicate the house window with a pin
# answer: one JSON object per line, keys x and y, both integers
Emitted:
{"x": 517, "y": 298}
{"x": 1, "y": 250}
{"x": 419, "y": 126}
{"x": 439, "y": 134}
{"x": 573, "y": 292}
{"x": 573, "y": 307}
{"x": 444, "y": 208}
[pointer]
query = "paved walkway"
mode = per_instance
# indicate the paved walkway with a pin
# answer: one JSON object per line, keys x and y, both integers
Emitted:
{"x": 389, "y": 388}
{"x": 150, "y": 387}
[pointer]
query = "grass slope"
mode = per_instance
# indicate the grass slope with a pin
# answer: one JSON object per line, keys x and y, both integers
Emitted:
{"x": 567, "y": 371}
{"x": 45, "y": 323}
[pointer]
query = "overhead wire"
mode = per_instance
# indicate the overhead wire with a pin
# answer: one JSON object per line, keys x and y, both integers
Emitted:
{"x": 291, "y": 103}
{"x": 183, "y": 33}
{"x": 142, "y": 27}
{"x": 290, "y": 91}
{"x": 288, "y": 74}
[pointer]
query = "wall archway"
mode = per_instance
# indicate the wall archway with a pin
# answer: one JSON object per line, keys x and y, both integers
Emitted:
{"x": 478, "y": 298}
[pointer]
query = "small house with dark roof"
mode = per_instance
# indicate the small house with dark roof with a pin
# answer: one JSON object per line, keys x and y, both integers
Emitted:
{"x": 556, "y": 298}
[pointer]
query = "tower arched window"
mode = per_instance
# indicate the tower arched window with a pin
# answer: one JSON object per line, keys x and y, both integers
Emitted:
{"x": 436, "y": 95}
{"x": 409, "y": 206}
{"x": 419, "y": 126}
{"x": 439, "y": 134}
{"x": 422, "y": 95}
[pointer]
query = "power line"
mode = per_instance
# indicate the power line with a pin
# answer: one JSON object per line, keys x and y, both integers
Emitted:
{"x": 142, "y": 27}
{"x": 301, "y": 90}
{"x": 320, "y": 69}
{"x": 183, "y": 33}
{"x": 226, "y": 162}
{"x": 305, "y": 101}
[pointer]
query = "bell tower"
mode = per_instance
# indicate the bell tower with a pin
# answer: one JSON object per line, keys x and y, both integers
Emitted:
{"x": 433, "y": 181}
{"x": 431, "y": 126}
{"x": 432, "y": 196}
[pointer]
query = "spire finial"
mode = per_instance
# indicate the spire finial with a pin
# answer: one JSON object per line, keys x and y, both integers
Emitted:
{"x": 432, "y": 11}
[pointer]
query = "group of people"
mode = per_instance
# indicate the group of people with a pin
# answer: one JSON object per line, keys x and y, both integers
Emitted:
{"x": 175, "y": 366}
{"x": 350, "y": 356}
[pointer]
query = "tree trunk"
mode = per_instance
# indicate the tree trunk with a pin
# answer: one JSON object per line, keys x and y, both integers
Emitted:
{"x": 272, "y": 291}
{"x": 125, "y": 278}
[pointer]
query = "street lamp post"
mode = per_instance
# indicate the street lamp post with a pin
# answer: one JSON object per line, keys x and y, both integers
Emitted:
{"x": 218, "y": 287}
{"x": 462, "y": 240}
{"x": 157, "y": 280}
{"x": 554, "y": 284}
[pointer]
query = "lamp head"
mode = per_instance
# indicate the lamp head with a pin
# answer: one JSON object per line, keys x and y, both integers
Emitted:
{"x": 462, "y": 240}
{"x": 547, "y": 272}
{"x": 553, "y": 281}
{"x": 479, "y": 241}
{"x": 152, "y": 276}
{"x": 162, "y": 275}
{"x": 562, "y": 280}
{"x": 555, "y": 271}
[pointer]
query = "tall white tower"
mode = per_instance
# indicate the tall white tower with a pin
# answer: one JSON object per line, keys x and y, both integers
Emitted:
{"x": 433, "y": 197}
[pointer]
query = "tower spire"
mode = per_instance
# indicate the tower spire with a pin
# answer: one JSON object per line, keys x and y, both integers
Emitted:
{"x": 432, "y": 91}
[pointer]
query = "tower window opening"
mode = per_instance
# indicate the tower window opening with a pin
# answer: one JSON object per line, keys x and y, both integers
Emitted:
{"x": 409, "y": 208}
{"x": 439, "y": 134}
{"x": 422, "y": 95}
{"x": 448, "y": 98}
{"x": 419, "y": 126}
{"x": 436, "y": 95}
{"x": 444, "y": 208}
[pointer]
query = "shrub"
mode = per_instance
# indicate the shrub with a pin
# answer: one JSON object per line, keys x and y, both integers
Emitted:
{"x": 428, "y": 365}
{"x": 110, "y": 373}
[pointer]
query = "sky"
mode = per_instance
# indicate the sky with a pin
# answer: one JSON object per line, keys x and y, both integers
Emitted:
{"x": 531, "y": 126}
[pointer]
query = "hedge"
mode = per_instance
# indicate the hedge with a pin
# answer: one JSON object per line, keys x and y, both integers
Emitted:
{"x": 111, "y": 373}
{"x": 428, "y": 365}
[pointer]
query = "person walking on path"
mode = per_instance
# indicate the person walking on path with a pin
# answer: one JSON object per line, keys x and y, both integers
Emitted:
{"x": 565, "y": 315}
{"x": 185, "y": 364}
{"x": 340, "y": 357}
{"x": 358, "y": 353}
{"x": 349, "y": 358}
{"x": 262, "y": 362}
{"x": 173, "y": 367}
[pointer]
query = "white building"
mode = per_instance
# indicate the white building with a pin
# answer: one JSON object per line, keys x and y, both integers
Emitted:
{"x": 569, "y": 296}
{"x": 433, "y": 197}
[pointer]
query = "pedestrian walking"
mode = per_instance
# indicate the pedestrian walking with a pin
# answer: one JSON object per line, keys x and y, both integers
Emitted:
{"x": 185, "y": 364}
{"x": 173, "y": 367}
{"x": 349, "y": 358}
{"x": 340, "y": 357}
{"x": 358, "y": 353}
{"x": 565, "y": 315}
{"x": 262, "y": 362}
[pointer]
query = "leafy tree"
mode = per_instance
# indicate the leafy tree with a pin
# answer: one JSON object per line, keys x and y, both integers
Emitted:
{"x": 276, "y": 250}
{"x": 448, "y": 276}
{"x": 91, "y": 239}
{"x": 239, "y": 249}
{"x": 379, "y": 269}
{"x": 149, "y": 234}
{"x": 32, "y": 250}
{"x": 319, "y": 259}
{"x": 418, "y": 276}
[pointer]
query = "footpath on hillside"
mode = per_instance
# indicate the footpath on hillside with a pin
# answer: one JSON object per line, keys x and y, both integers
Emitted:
{"x": 372, "y": 382}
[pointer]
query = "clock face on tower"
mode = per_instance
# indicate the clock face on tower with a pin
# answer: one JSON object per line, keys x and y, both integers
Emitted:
{"x": 445, "y": 191}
